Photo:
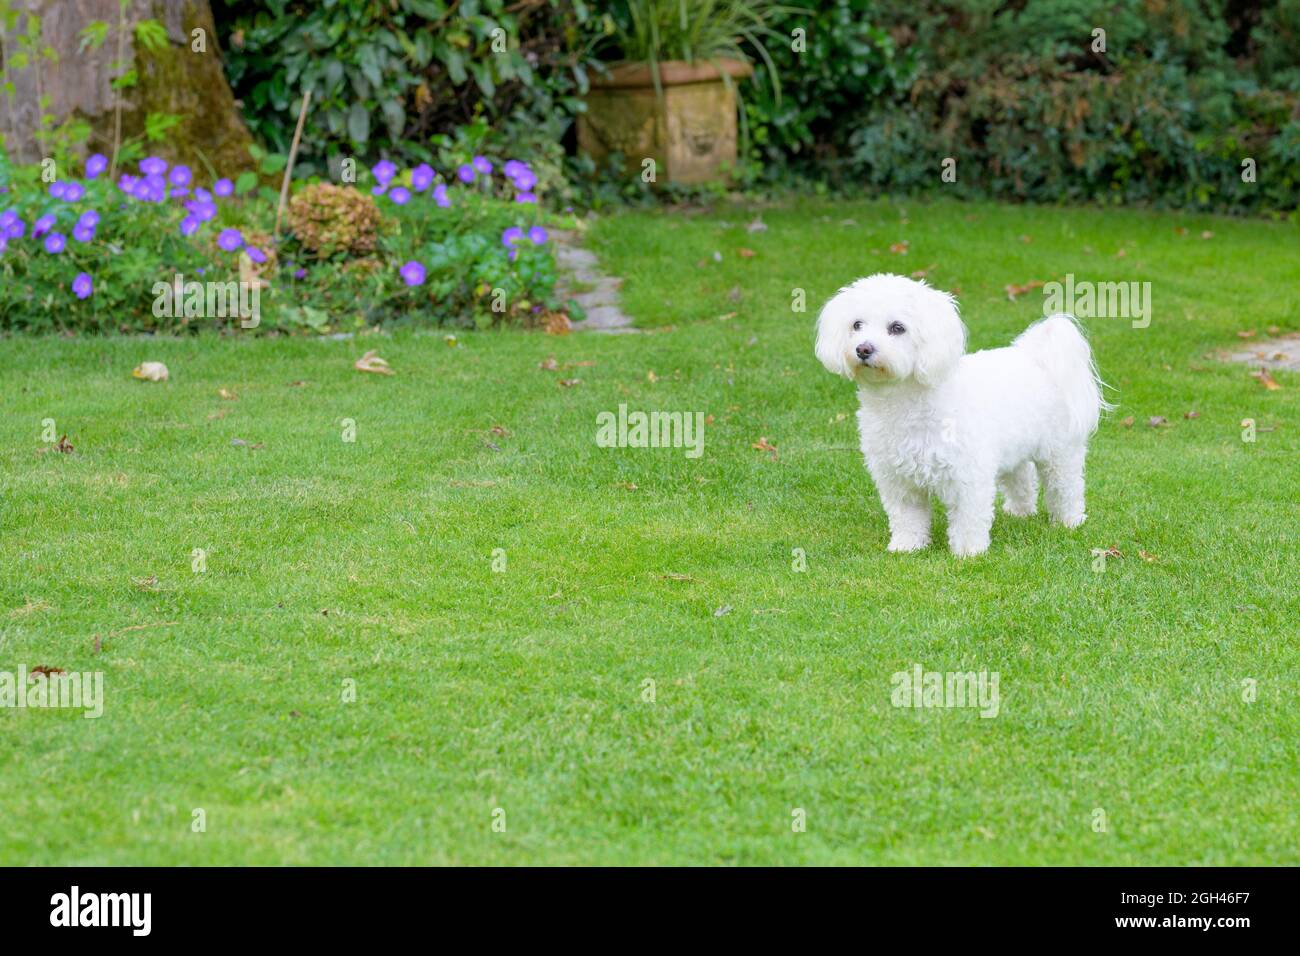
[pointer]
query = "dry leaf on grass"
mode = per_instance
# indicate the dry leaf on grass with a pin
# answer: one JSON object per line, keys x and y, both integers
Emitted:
{"x": 500, "y": 431}
{"x": 548, "y": 364}
{"x": 47, "y": 670}
{"x": 677, "y": 577}
{"x": 557, "y": 323}
{"x": 1193, "y": 413}
{"x": 150, "y": 372}
{"x": 651, "y": 377}
{"x": 227, "y": 394}
{"x": 1017, "y": 290}
{"x": 1111, "y": 552}
{"x": 1246, "y": 334}
{"x": 745, "y": 253}
{"x": 371, "y": 362}
{"x": 764, "y": 445}
{"x": 1127, "y": 421}
{"x": 297, "y": 383}
{"x": 722, "y": 611}
{"x": 626, "y": 485}
{"x": 569, "y": 382}
{"x": 1265, "y": 379}
{"x": 63, "y": 446}
{"x": 146, "y": 584}
{"x": 1147, "y": 556}
{"x": 1157, "y": 421}
{"x": 899, "y": 248}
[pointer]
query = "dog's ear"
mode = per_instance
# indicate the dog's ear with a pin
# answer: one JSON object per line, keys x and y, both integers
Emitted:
{"x": 833, "y": 337}
{"x": 940, "y": 336}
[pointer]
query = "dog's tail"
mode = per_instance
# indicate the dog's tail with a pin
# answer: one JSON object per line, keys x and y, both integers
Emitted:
{"x": 1058, "y": 345}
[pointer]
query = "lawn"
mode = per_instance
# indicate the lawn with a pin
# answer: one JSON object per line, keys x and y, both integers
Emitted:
{"x": 367, "y": 567}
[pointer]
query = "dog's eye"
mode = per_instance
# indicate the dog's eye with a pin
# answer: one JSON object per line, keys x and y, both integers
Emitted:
{"x": 896, "y": 328}
{"x": 857, "y": 326}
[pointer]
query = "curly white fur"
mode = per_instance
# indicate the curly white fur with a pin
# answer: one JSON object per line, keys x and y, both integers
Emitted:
{"x": 937, "y": 422}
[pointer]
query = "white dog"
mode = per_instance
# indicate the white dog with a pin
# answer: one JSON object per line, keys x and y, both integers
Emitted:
{"x": 935, "y": 421}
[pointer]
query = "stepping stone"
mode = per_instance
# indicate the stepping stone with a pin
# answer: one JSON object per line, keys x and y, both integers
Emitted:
{"x": 599, "y": 295}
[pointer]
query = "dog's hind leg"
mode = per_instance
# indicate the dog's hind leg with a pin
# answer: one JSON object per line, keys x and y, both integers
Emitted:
{"x": 1063, "y": 486}
{"x": 1019, "y": 489}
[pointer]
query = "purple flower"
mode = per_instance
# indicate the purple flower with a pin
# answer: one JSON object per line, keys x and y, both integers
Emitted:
{"x": 482, "y": 165}
{"x": 440, "y": 195}
{"x": 83, "y": 285}
{"x": 300, "y": 273}
{"x": 513, "y": 167}
{"x": 525, "y": 197}
{"x": 153, "y": 166}
{"x": 126, "y": 182}
{"x": 413, "y": 273}
{"x": 180, "y": 176}
{"x": 179, "y": 191}
{"x": 83, "y": 233}
{"x": 88, "y": 218}
{"x": 11, "y": 226}
{"x": 74, "y": 192}
{"x": 230, "y": 240}
{"x": 537, "y": 235}
{"x": 200, "y": 210}
{"x": 383, "y": 171}
{"x": 190, "y": 225}
{"x": 511, "y": 236}
{"x": 400, "y": 195}
{"x": 378, "y": 190}
{"x": 42, "y": 225}
{"x": 223, "y": 187}
{"x": 55, "y": 243}
{"x": 95, "y": 165}
{"x": 519, "y": 174}
{"x": 256, "y": 254}
{"x": 202, "y": 195}
{"x": 465, "y": 173}
{"x": 422, "y": 177}
{"x": 58, "y": 190}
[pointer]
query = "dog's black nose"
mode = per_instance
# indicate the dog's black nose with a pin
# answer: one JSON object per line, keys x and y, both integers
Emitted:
{"x": 866, "y": 350}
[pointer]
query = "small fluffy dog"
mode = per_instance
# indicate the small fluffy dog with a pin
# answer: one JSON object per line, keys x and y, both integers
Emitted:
{"x": 935, "y": 421}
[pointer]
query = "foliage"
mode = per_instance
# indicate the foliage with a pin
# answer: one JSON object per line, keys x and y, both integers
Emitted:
{"x": 387, "y": 77}
{"x": 93, "y": 255}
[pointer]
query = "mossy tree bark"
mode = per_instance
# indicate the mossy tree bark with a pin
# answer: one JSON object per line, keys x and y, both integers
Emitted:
{"x": 184, "y": 78}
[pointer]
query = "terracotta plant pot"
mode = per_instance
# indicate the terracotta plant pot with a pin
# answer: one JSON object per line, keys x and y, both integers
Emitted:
{"x": 690, "y": 133}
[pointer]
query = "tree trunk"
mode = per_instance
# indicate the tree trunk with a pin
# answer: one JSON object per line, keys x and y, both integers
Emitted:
{"x": 184, "y": 79}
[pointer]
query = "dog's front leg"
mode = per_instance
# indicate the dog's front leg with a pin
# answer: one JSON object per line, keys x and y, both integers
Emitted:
{"x": 970, "y": 515}
{"x": 908, "y": 508}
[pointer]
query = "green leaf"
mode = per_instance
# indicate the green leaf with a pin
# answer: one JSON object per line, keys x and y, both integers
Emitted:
{"x": 93, "y": 35}
{"x": 273, "y": 163}
{"x": 246, "y": 182}
{"x": 359, "y": 124}
{"x": 151, "y": 35}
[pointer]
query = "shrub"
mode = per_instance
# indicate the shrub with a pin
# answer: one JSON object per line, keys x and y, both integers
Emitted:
{"x": 94, "y": 255}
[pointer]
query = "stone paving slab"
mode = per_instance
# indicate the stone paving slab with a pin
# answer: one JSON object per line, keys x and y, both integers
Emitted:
{"x": 582, "y": 280}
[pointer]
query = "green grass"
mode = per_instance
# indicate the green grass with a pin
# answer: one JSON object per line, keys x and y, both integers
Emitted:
{"x": 372, "y": 562}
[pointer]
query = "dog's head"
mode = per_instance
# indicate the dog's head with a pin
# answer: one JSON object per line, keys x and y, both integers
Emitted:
{"x": 888, "y": 328}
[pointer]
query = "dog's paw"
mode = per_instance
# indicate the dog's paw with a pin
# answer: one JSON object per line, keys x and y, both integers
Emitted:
{"x": 901, "y": 543}
{"x": 1072, "y": 520}
{"x": 1019, "y": 510}
{"x": 967, "y": 546}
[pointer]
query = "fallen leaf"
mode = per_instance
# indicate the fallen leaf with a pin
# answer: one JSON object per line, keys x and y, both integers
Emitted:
{"x": 240, "y": 443}
{"x": 626, "y": 485}
{"x": 758, "y": 225}
{"x": 735, "y": 295}
{"x": 146, "y": 584}
{"x": 722, "y": 611}
{"x": 677, "y": 577}
{"x": 745, "y": 253}
{"x": 1265, "y": 379}
{"x": 557, "y": 323}
{"x": 1246, "y": 334}
{"x": 899, "y": 248}
{"x": 1127, "y": 421}
{"x": 548, "y": 364}
{"x": 651, "y": 377}
{"x": 371, "y": 362}
{"x": 297, "y": 383}
{"x": 569, "y": 382}
{"x": 451, "y": 341}
{"x": 1273, "y": 329}
{"x": 63, "y": 446}
{"x": 764, "y": 445}
{"x": 1111, "y": 552}
{"x": 1147, "y": 555}
{"x": 1193, "y": 413}
{"x": 1157, "y": 421}
{"x": 97, "y": 644}
{"x": 1017, "y": 290}
{"x": 227, "y": 394}
{"x": 500, "y": 431}
{"x": 47, "y": 670}
{"x": 150, "y": 372}
{"x": 1206, "y": 234}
